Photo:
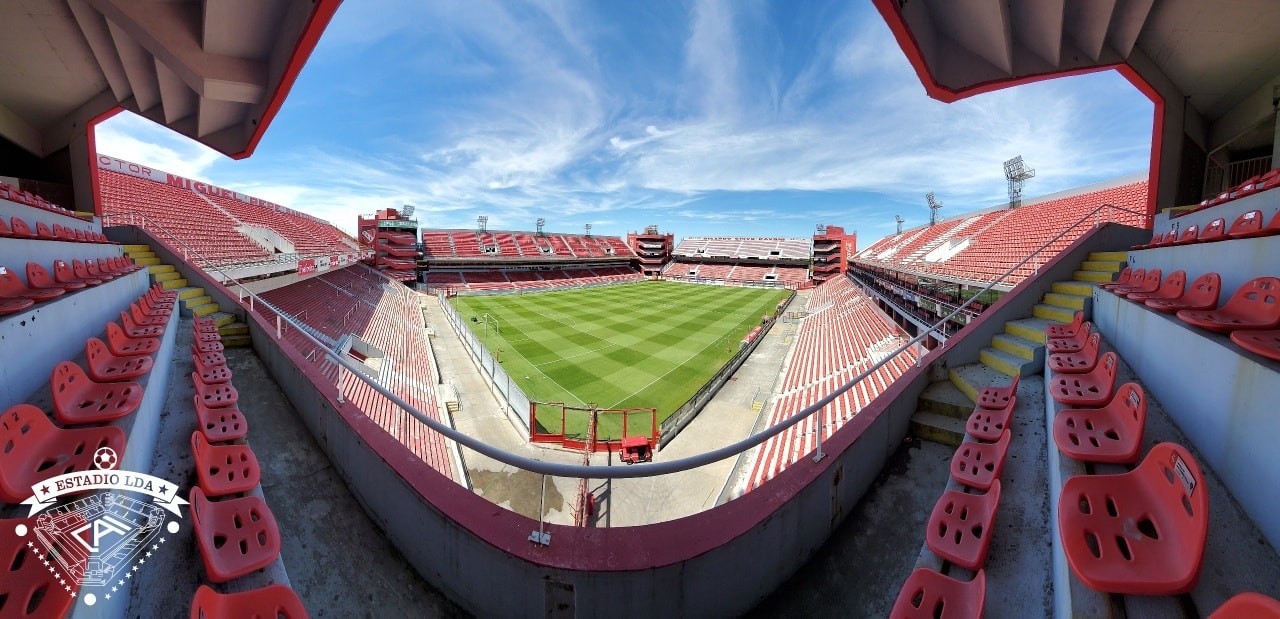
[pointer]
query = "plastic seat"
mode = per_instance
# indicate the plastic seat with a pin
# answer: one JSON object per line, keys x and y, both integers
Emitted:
{"x": 1127, "y": 275}
{"x": 1067, "y": 330}
{"x": 1265, "y": 343}
{"x": 157, "y": 293}
{"x": 106, "y": 367}
{"x": 206, "y": 328}
{"x": 4, "y": 228}
{"x": 217, "y": 395}
{"x": 224, "y": 469}
{"x": 91, "y": 267}
{"x": 999, "y": 397}
{"x": 41, "y": 450}
{"x": 20, "y": 228}
{"x": 1246, "y": 225}
{"x": 208, "y": 337}
{"x": 1248, "y": 606}
{"x": 220, "y": 424}
{"x": 1255, "y": 305}
{"x": 1081, "y": 361}
{"x": 1202, "y": 294}
{"x": 1149, "y": 282}
{"x": 27, "y": 587}
{"x": 986, "y": 424}
{"x": 83, "y": 273}
{"x": 1141, "y": 532}
{"x": 13, "y": 306}
{"x": 1089, "y": 389}
{"x": 121, "y": 345}
{"x": 207, "y": 359}
{"x": 43, "y": 231}
{"x": 268, "y": 602}
{"x": 1070, "y": 344}
{"x": 63, "y": 274}
{"x": 135, "y": 330}
{"x": 208, "y": 346}
{"x": 78, "y": 399}
{"x": 1155, "y": 240}
{"x": 1173, "y": 287}
{"x": 930, "y": 595}
{"x": 961, "y": 525}
{"x": 11, "y": 287}
{"x": 215, "y": 375}
{"x": 38, "y": 278}
{"x": 1190, "y": 235}
{"x": 154, "y": 308}
{"x": 1112, "y": 433}
{"x": 149, "y": 315}
{"x": 235, "y": 536}
{"x": 1216, "y": 230}
{"x": 977, "y": 465}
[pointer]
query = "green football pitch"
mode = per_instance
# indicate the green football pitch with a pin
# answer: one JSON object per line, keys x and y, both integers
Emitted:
{"x": 642, "y": 345}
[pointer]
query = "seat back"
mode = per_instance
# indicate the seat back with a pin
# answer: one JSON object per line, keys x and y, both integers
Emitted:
{"x": 4, "y": 228}
{"x": 20, "y": 228}
{"x": 62, "y": 272}
{"x": 1204, "y": 290}
{"x": 1125, "y": 274}
{"x": 10, "y": 284}
{"x": 43, "y": 231}
{"x": 1216, "y": 229}
{"x": 1190, "y": 234}
{"x": 1136, "y": 277}
{"x": 1246, "y": 224}
{"x": 38, "y": 277}
{"x": 1173, "y": 285}
{"x": 27, "y": 587}
{"x": 1150, "y": 281}
{"x": 1259, "y": 298}
{"x": 271, "y": 601}
{"x": 1174, "y": 479}
{"x": 1129, "y": 406}
{"x": 80, "y": 270}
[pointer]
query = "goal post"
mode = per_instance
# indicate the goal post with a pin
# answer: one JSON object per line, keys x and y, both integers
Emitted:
{"x": 570, "y": 426}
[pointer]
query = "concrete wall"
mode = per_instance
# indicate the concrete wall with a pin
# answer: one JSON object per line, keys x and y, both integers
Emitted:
{"x": 31, "y": 215}
{"x": 1267, "y": 201}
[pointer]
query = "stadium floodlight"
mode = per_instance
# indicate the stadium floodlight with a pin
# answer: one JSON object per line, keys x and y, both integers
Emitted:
{"x": 822, "y": 229}
{"x": 1017, "y": 174}
{"x": 934, "y": 205}
{"x": 588, "y": 229}
{"x": 541, "y": 222}
{"x": 407, "y": 211}
{"x": 483, "y": 222}
{"x": 899, "y": 219}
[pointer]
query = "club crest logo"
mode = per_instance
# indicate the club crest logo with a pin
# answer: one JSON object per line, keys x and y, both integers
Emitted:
{"x": 95, "y": 544}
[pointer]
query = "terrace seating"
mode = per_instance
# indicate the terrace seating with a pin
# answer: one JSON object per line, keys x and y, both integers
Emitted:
{"x": 121, "y": 345}
{"x": 224, "y": 469}
{"x": 13, "y": 306}
{"x": 135, "y": 330}
{"x": 1149, "y": 282}
{"x": 999, "y": 397}
{"x": 215, "y": 395}
{"x": 1189, "y": 236}
{"x": 986, "y": 424}
{"x": 270, "y": 601}
{"x": 220, "y": 424}
{"x": 1255, "y": 305}
{"x": 20, "y": 229}
{"x": 104, "y": 366}
{"x": 27, "y": 587}
{"x": 1246, "y": 225}
{"x": 1172, "y": 288}
{"x": 1067, "y": 330}
{"x": 235, "y": 536}
{"x": 39, "y": 279}
{"x": 1202, "y": 294}
{"x": 11, "y": 287}
{"x": 1112, "y": 433}
{"x": 1126, "y": 276}
{"x": 1248, "y": 605}
{"x": 929, "y": 594}
{"x": 1070, "y": 344}
{"x": 215, "y": 375}
{"x": 42, "y": 450}
{"x": 961, "y": 525}
{"x": 1215, "y": 230}
{"x": 78, "y": 399}
{"x": 1089, "y": 389}
{"x": 82, "y": 272}
{"x": 1141, "y": 532}
{"x": 1079, "y": 362}
{"x": 978, "y": 465}
{"x": 64, "y": 274}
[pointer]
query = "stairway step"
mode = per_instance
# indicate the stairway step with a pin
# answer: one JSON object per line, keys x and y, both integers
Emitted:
{"x": 1028, "y": 328}
{"x": 945, "y": 398}
{"x": 160, "y": 268}
{"x": 1007, "y": 363}
{"x": 129, "y": 248}
{"x": 237, "y": 341}
{"x": 194, "y": 301}
{"x": 972, "y": 378}
{"x": 1053, "y": 312}
{"x": 204, "y": 310}
{"x": 1101, "y": 265}
{"x": 1109, "y": 256}
{"x": 1092, "y": 276}
{"x": 174, "y": 284}
{"x": 1073, "y": 302}
{"x": 188, "y": 292}
{"x": 222, "y": 319}
{"x": 1084, "y": 289}
{"x": 166, "y": 277}
{"x": 141, "y": 254}
{"x": 145, "y": 261}
{"x": 235, "y": 328}
{"x": 938, "y": 428}
{"x": 1015, "y": 345}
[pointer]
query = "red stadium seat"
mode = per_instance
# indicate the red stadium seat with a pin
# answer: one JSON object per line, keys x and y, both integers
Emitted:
{"x": 1248, "y": 606}
{"x": 63, "y": 274}
{"x": 11, "y": 287}
{"x": 1216, "y": 230}
{"x": 1202, "y": 294}
{"x": 930, "y": 595}
{"x": 121, "y": 345}
{"x": 1155, "y": 241}
{"x": 207, "y": 359}
{"x": 235, "y": 536}
{"x": 977, "y": 465}
{"x": 215, "y": 375}
{"x": 208, "y": 337}
{"x": 83, "y": 273}
{"x": 205, "y": 326}
{"x": 220, "y": 424}
{"x": 1255, "y": 305}
{"x": 135, "y": 330}
{"x": 268, "y": 602}
{"x": 999, "y": 397}
{"x": 106, "y": 367}
{"x": 208, "y": 346}
{"x": 215, "y": 396}
{"x": 4, "y": 229}
{"x": 961, "y": 525}
{"x": 1190, "y": 235}
{"x": 1070, "y": 344}
{"x": 1068, "y": 330}
{"x": 41, "y": 450}
{"x": 38, "y": 278}
{"x": 156, "y": 308}
{"x": 1078, "y": 362}
{"x": 13, "y": 306}
{"x": 1149, "y": 282}
{"x": 986, "y": 424}
{"x": 224, "y": 469}
{"x": 91, "y": 267}
{"x": 1112, "y": 433}
{"x": 1173, "y": 287}
{"x": 78, "y": 400}
{"x": 43, "y": 231}
{"x": 1126, "y": 276}
{"x": 1246, "y": 225}
{"x": 149, "y": 316}
{"x": 1265, "y": 343}
{"x": 27, "y": 587}
{"x": 1141, "y": 532}
{"x": 1089, "y": 389}
{"x": 20, "y": 228}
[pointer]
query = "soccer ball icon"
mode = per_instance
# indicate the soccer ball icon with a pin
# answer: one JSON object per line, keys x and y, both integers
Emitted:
{"x": 105, "y": 458}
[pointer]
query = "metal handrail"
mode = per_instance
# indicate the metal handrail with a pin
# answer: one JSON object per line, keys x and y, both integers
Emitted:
{"x": 579, "y": 471}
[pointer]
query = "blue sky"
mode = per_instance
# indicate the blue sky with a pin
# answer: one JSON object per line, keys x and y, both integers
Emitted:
{"x": 711, "y": 117}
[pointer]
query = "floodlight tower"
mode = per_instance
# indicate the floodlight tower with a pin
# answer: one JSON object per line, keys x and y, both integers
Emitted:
{"x": 899, "y": 219}
{"x": 1017, "y": 174}
{"x": 541, "y": 222}
{"x": 483, "y": 222}
{"x": 407, "y": 211}
{"x": 822, "y": 229}
{"x": 588, "y": 230}
{"x": 934, "y": 205}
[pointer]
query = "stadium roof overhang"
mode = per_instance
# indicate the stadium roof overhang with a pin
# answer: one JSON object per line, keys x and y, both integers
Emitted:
{"x": 213, "y": 70}
{"x": 1210, "y": 67}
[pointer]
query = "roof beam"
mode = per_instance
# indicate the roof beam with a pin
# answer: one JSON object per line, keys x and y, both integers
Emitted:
{"x": 139, "y": 66}
{"x": 1038, "y": 28}
{"x": 98, "y": 36}
{"x": 1088, "y": 22}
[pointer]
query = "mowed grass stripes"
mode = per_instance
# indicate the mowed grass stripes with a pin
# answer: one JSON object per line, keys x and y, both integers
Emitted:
{"x": 649, "y": 344}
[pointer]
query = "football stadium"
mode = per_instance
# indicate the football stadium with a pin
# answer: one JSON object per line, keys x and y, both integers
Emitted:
{"x": 219, "y": 402}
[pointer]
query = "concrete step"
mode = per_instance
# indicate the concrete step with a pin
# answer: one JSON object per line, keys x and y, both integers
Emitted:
{"x": 145, "y": 261}
{"x": 938, "y": 428}
{"x": 1028, "y": 328}
{"x": 222, "y": 319}
{"x": 1093, "y": 276}
{"x": 972, "y": 378}
{"x": 1015, "y": 345}
{"x": 130, "y": 248}
{"x": 235, "y": 328}
{"x": 174, "y": 284}
{"x": 142, "y": 254}
{"x": 1053, "y": 312}
{"x": 160, "y": 268}
{"x": 945, "y": 398}
{"x": 1083, "y": 289}
{"x": 237, "y": 341}
{"x": 166, "y": 277}
{"x": 195, "y": 301}
{"x": 204, "y": 310}
{"x": 188, "y": 292}
{"x": 1109, "y": 256}
{"x": 1008, "y": 363}
{"x": 1073, "y": 302}
{"x": 1101, "y": 265}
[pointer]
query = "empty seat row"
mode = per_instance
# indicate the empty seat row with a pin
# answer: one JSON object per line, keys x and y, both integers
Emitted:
{"x": 13, "y": 194}
{"x": 16, "y": 296}
{"x": 1247, "y": 225}
{"x": 19, "y": 229}
{"x": 1255, "y": 184}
